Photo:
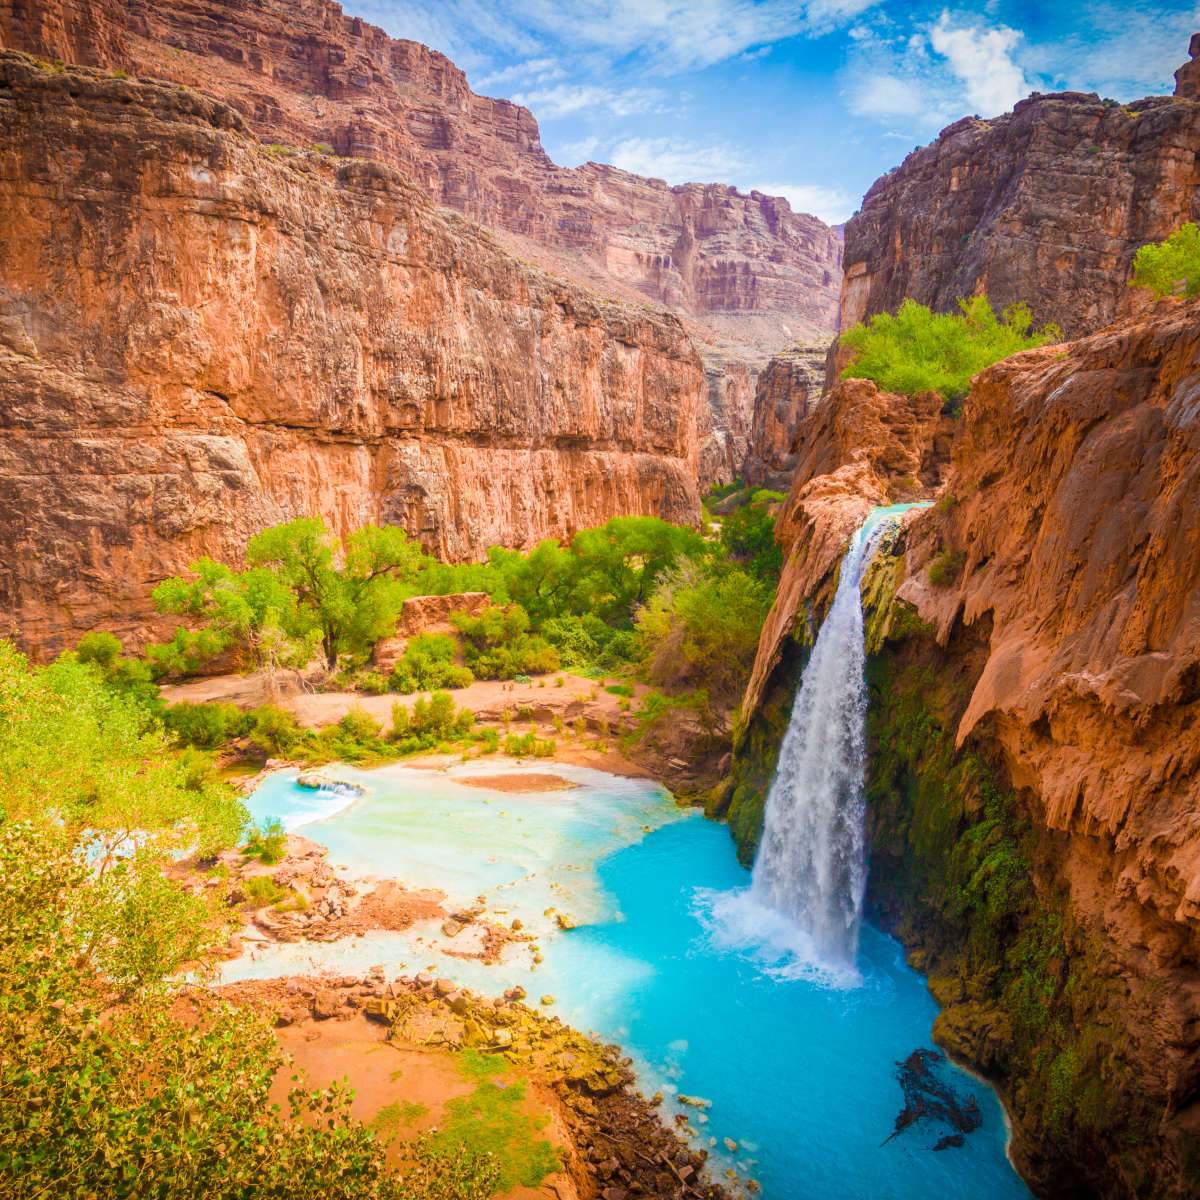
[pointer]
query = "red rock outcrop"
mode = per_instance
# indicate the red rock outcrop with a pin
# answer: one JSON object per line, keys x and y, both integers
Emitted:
{"x": 200, "y": 336}
{"x": 788, "y": 389}
{"x": 1187, "y": 78}
{"x": 1046, "y": 205}
{"x": 860, "y": 448}
{"x": 750, "y": 273}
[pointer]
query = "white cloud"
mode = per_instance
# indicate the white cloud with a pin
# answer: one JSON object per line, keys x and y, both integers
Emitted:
{"x": 833, "y": 205}
{"x": 532, "y": 71}
{"x": 676, "y": 160}
{"x": 574, "y": 153}
{"x": 982, "y": 59}
{"x": 567, "y": 99}
{"x": 663, "y": 35}
{"x": 1129, "y": 51}
{"x": 885, "y": 96}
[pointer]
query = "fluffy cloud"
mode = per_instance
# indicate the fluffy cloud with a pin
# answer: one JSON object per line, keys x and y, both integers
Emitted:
{"x": 982, "y": 59}
{"x": 533, "y": 71}
{"x": 832, "y": 205}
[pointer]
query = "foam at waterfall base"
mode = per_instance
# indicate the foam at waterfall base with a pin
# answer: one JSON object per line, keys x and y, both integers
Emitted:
{"x": 737, "y": 922}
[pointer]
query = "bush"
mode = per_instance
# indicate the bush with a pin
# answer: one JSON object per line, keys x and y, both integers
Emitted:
{"x": 748, "y": 536}
{"x": 528, "y": 745}
{"x": 498, "y": 645}
{"x": 208, "y": 726}
{"x": 428, "y": 663}
{"x": 262, "y": 890}
{"x": 266, "y": 842}
{"x": 700, "y": 629}
{"x": 946, "y": 567}
{"x": 1171, "y": 267}
{"x": 431, "y": 721}
{"x": 101, "y": 648}
{"x": 374, "y": 683}
{"x": 360, "y": 726}
{"x": 274, "y": 730}
{"x": 916, "y": 350}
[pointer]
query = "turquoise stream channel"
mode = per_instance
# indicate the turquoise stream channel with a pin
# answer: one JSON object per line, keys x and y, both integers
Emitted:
{"x": 800, "y": 1068}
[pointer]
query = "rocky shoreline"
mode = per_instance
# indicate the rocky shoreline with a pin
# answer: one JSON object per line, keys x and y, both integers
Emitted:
{"x": 621, "y": 1145}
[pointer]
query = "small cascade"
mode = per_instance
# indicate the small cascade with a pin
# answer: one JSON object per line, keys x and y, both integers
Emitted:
{"x": 811, "y": 863}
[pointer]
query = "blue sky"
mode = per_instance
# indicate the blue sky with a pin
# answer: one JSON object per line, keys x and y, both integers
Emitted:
{"x": 810, "y": 99}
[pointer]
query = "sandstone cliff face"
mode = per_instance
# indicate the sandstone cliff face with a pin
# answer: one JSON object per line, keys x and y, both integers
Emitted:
{"x": 860, "y": 448}
{"x": 1047, "y": 204}
{"x": 751, "y": 274}
{"x": 200, "y": 337}
{"x": 788, "y": 389}
{"x": 1035, "y": 749}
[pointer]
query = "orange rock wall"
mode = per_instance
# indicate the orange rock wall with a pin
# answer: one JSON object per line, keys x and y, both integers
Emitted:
{"x": 200, "y": 337}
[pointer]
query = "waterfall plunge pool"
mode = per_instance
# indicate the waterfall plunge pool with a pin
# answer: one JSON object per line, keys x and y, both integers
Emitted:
{"x": 799, "y": 1068}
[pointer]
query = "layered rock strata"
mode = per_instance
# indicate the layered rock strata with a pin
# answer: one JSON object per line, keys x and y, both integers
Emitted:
{"x": 1045, "y": 205}
{"x": 1035, "y": 743}
{"x": 200, "y": 336}
{"x": 788, "y": 389}
{"x": 750, "y": 273}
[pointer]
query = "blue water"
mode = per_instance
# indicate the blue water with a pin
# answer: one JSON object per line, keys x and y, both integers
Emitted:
{"x": 800, "y": 1070}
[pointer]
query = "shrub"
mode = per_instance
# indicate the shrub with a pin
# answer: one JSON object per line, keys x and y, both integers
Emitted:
{"x": 359, "y": 725}
{"x": 101, "y": 648}
{"x": 946, "y": 567}
{"x": 431, "y": 721}
{"x": 428, "y": 663}
{"x": 498, "y": 645}
{"x": 1170, "y": 267}
{"x": 528, "y": 745}
{"x": 206, "y": 725}
{"x": 915, "y": 350}
{"x": 274, "y": 730}
{"x": 700, "y": 629}
{"x": 374, "y": 683}
{"x": 266, "y": 842}
{"x": 262, "y": 890}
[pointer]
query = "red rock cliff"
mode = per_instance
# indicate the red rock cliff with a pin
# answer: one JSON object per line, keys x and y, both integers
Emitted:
{"x": 200, "y": 336}
{"x": 788, "y": 389}
{"x": 1058, "y": 643}
{"x": 750, "y": 274}
{"x": 1046, "y": 204}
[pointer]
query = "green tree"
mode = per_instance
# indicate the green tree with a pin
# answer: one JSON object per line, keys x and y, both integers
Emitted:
{"x": 353, "y": 602}
{"x": 748, "y": 536}
{"x": 1170, "y": 267}
{"x": 700, "y": 629}
{"x": 915, "y": 350}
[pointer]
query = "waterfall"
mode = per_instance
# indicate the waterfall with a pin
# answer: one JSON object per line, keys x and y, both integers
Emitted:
{"x": 811, "y": 863}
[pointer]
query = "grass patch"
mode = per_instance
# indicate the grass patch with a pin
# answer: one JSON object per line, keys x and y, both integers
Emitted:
{"x": 390, "y": 1119}
{"x": 492, "y": 1121}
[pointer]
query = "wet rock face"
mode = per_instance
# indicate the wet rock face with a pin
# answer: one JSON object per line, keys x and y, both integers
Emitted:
{"x": 200, "y": 337}
{"x": 749, "y": 273}
{"x": 1046, "y": 205}
{"x": 788, "y": 390}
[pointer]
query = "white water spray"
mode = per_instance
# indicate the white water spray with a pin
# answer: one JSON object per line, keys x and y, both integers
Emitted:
{"x": 811, "y": 864}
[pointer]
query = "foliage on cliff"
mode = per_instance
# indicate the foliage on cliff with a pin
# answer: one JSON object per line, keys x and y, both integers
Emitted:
{"x": 916, "y": 350}
{"x": 1170, "y": 267}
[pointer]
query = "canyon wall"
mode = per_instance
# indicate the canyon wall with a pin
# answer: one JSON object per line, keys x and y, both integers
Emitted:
{"x": 748, "y": 273}
{"x": 788, "y": 389}
{"x": 1046, "y": 205}
{"x": 200, "y": 336}
{"x": 1034, "y": 732}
